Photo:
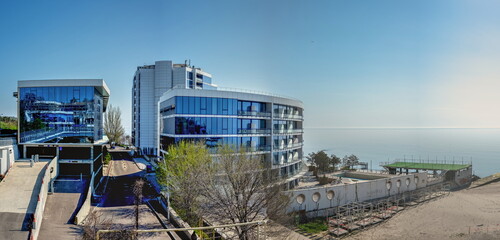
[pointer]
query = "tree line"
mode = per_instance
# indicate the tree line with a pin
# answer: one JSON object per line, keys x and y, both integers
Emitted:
{"x": 327, "y": 164}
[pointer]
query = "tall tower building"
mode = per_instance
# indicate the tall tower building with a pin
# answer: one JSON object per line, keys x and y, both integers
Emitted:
{"x": 150, "y": 82}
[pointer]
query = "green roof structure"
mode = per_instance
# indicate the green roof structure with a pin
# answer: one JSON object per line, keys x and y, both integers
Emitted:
{"x": 428, "y": 166}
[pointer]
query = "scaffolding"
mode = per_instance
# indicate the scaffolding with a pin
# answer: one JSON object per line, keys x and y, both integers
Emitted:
{"x": 355, "y": 216}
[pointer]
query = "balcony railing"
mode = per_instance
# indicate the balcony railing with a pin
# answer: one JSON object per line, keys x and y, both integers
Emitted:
{"x": 254, "y": 114}
{"x": 287, "y": 131}
{"x": 42, "y": 135}
{"x": 286, "y": 115}
{"x": 254, "y": 131}
{"x": 288, "y": 146}
{"x": 261, "y": 148}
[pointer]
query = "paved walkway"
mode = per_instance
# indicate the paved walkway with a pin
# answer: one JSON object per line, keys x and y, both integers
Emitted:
{"x": 18, "y": 198}
{"x": 124, "y": 218}
{"x": 60, "y": 209}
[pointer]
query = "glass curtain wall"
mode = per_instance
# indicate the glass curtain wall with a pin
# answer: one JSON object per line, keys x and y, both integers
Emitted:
{"x": 60, "y": 114}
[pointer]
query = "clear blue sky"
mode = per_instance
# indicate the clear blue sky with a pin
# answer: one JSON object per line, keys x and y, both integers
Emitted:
{"x": 352, "y": 63}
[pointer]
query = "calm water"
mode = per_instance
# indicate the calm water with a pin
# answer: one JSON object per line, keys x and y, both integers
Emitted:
{"x": 382, "y": 145}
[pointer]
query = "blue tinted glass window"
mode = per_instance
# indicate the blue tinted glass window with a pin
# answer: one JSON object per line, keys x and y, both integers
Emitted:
{"x": 89, "y": 94}
{"x": 224, "y": 125}
{"x": 246, "y": 106}
{"x": 219, "y": 106}
{"x": 185, "y": 105}
{"x": 191, "y": 105}
{"x": 208, "y": 124}
{"x": 44, "y": 93}
{"x": 230, "y": 126}
{"x": 230, "y": 107}
{"x": 178, "y": 105}
{"x": 64, "y": 95}
{"x": 214, "y": 126}
{"x": 209, "y": 106}
{"x": 224, "y": 106}
{"x": 219, "y": 125}
{"x": 214, "y": 106}
{"x": 235, "y": 107}
{"x": 197, "y": 105}
{"x": 203, "y": 105}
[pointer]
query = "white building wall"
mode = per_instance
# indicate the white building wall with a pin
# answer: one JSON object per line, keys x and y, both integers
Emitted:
{"x": 146, "y": 119}
{"x": 179, "y": 77}
{"x": 362, "y": 191}
{"x": 153, "y": 82}
{"x": 7, "y": 157}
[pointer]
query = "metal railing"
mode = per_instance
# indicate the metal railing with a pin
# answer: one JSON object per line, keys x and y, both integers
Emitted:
{"x": 254, "y": 131}
{"x": 180, "y": 86}
{"x": 224, "y": 227}
{"x": 286, "y": 131}
{"x": 289, "y": 116}
{"x": 288, "y": 146}
{"x": 42, "y": 134}
{"x": 254, "y": 114}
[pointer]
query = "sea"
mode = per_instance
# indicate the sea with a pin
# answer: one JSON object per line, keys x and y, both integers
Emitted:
{"x": 479, "y": 146}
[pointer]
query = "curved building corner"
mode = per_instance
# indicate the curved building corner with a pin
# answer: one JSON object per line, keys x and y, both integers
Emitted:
{"x": 263, "y": 124}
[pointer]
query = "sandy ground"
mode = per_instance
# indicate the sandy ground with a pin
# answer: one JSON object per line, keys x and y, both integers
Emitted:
{"x": 451, "y": 217}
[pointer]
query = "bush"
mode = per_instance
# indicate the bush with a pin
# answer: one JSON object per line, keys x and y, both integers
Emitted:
{"x": 315, "y": 226}
{"x": 107, "y": 159}
{"x": 325, "y": 180}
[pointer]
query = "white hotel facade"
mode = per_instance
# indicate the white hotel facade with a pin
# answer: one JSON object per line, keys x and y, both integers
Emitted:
{"x": 175, "y": 102}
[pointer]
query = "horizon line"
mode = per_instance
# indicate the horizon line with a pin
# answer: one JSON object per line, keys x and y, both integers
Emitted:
{"x": 402, "y": 127}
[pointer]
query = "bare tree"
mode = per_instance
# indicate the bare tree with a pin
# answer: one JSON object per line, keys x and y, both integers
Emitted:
{"x": 239, "y": 188}
{"x": 138, "y": 186}
{"x": 95, "y": 222}
{"x": 113, "y": 124}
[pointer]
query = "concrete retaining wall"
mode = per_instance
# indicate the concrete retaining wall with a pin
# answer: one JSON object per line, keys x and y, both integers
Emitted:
{"x": 336, "y": 195}
{"x": 51, "y": 172}
{"x": 86, "y": 206}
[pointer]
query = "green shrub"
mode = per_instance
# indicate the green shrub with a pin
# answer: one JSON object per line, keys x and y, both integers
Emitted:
{"x": 315, "y": 226}
{"x": 107, "y": 159}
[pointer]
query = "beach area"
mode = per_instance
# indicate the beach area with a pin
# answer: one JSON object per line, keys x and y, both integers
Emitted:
{"x": 472, "y": 213}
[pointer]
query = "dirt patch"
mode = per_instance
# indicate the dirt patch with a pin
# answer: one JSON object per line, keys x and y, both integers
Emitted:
{"x": 466, "y": 214}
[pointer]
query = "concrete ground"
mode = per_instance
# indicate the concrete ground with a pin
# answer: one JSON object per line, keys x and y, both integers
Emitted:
{"x": 18, "y": 198}
{"x": 123, "y": 218}
{"x": 60, "y": 210}
{"x": 117, "y": 203}
{"x": 467, "y": 214}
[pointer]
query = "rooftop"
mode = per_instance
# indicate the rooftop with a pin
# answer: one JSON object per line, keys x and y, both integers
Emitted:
{"x": 428, "y": 166}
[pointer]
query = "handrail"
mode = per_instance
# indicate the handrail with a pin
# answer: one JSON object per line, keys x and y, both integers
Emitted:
{"x": 243, "y": 91}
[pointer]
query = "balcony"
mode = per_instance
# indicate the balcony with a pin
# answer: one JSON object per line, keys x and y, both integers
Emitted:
{"x": 287, "y": 131}
{"x": 254, "y": 114}
{"x": 287, "y": 116}
{"x": 254, "y": 131}
{"x": 288, "y": 146}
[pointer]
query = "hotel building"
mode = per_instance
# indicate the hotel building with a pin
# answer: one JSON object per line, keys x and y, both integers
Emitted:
{"x": 150, "y": 82}
{"x": 263, "y": 124}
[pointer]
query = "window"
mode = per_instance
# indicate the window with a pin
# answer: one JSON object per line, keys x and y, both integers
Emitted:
{"x": 197, "y": 105}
